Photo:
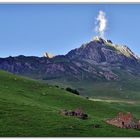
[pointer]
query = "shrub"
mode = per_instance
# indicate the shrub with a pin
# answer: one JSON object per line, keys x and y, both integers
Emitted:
{"x": 74, "y": 91}
{"x": 87, "y": 97}
{"x": 57, "y": 86}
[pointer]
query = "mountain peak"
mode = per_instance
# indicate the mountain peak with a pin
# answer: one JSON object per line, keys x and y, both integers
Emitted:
{"x": 101, "y": 40}
{"x": 100, "y": 51}
{"x": 123, "y": 49}
{"x": 97, "y": 38}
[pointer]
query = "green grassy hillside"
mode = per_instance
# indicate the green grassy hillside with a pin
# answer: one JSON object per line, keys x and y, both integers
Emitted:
{"x": 30, "y": 108}
{"x": 128, "y": 88}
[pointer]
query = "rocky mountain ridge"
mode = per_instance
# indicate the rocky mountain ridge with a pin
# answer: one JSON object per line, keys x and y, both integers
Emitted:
{"x": 98, "y": 59}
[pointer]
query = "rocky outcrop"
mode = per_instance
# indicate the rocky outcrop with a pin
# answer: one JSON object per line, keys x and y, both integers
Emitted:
{"x": 76, "y": 113}
{"x": 124, "y": 121}
{"x": 48, "y": 55}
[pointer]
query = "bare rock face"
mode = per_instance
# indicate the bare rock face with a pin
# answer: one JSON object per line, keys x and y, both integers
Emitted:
{"x": 110, "y": 76}
{"x": 100, "y": 50}
{"x": 48, "y": 55}
{"x": 97, "y": 59}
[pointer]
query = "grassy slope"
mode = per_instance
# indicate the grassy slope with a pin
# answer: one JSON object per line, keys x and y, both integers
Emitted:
{"x": 128, "y": 88}
{"x": 30, "y": 108}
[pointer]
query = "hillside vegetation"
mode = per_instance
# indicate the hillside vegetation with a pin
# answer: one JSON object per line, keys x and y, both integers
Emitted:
{"x": 31, "y": 108}
{"x": 127, "y": 88}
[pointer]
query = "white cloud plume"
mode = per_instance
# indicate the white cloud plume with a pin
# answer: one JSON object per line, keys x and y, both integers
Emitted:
{"x": 101, "y": 24}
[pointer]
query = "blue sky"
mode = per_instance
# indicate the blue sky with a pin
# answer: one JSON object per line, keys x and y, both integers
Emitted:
{"x": 34, "y": 29}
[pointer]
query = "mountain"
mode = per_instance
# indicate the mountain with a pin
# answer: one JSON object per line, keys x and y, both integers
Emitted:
{"x": 95, "y": 62}
{"x": 107, "y": 57}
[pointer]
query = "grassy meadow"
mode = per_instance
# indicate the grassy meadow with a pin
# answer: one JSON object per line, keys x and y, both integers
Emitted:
{"x": 31, "y": 108}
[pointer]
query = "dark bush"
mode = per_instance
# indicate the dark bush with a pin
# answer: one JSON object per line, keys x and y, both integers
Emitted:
{"x": 57, "y": 86}
{"x": 87, "y": 97}
{"x": 74, "y": 91}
